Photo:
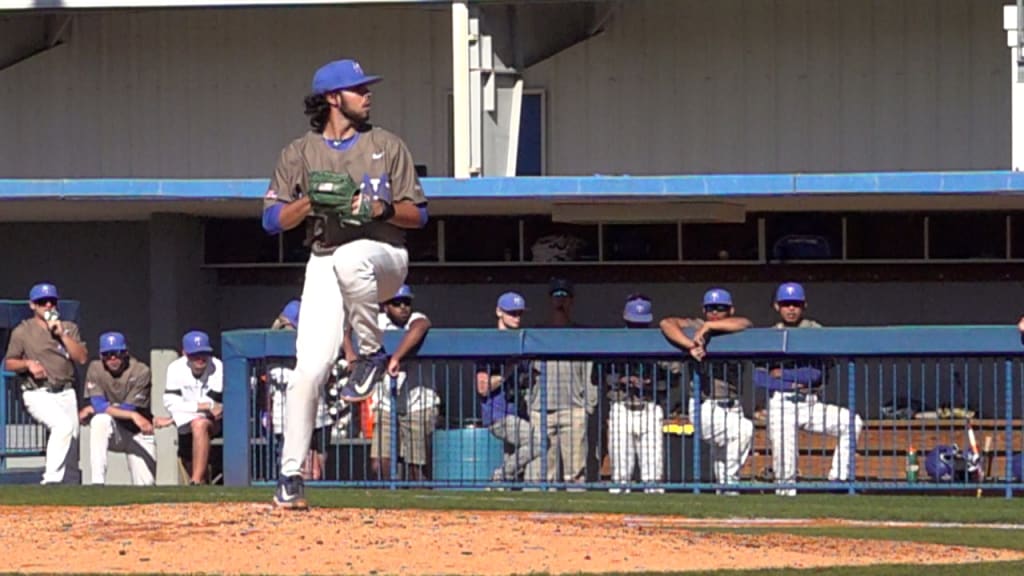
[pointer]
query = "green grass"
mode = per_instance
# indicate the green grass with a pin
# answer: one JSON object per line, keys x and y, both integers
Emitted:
{"x": 897, "y": 508}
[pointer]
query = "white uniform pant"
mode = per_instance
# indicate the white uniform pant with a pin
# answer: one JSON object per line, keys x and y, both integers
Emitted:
{"x": 59, "y": 413}
{"x": 788, "y": 413}
{"x": 345, "y": 286}
{"x": 730, "y": 434}
{"x": 635, "y": 435}
{"x": 105, "y": 434}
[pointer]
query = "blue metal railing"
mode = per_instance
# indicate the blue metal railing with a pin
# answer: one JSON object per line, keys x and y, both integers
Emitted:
{"x": 942, "y": 366}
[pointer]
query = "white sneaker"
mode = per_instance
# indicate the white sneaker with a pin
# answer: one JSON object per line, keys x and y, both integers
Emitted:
{"x": 618, "y": 490}
{"x": 654, "y": 490}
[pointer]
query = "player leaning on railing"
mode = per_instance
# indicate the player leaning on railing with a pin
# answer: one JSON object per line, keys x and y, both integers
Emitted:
{"x": 355, "y": 188}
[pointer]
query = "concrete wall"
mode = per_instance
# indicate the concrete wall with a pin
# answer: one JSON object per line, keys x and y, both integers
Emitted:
{"x": 670, "y": 87}
{"x": 834, "y": 304}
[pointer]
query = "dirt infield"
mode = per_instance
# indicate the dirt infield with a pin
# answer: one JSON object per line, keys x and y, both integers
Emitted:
{"x": 254, "y": 538}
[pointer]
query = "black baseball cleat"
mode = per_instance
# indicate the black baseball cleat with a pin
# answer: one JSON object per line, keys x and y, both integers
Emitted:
{"x": 290, "y": 493}
{"x": 367, "y": 371}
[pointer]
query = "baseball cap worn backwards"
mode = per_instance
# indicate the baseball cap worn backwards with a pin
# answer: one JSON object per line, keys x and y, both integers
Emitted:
{"x": 42, "y": 291}
{"x": 512, "y": 302}
{"x": 196, "y": 342}
{"x": 340, "y": 75}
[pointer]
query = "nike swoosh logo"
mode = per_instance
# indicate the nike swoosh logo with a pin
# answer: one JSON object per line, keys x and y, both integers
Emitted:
{"x": 364, "y": 386}
{"x": 377, "y": 155}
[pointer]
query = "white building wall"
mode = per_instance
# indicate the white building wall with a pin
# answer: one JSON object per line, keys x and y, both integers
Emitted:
{"x": 692, "y": 86}
{"x": 678, "y": 86}
{"x": 214, "y": 93}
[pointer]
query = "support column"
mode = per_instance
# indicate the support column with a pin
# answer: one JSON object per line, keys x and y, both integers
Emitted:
{"x": 461, "y": 162}
{"x": 1012, "y": 16}
{"x": 182, "y": 297}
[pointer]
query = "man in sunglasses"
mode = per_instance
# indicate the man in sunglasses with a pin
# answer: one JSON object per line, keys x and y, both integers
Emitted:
{"x": 794, "y": 405}
{"x": 722, "y": 422}
{"x": 193, "y": 395}
{"x": 417, "y": 401}
{"x": 500, "y": 383}
{"x": 119, "y": 390}
{"x": 43, "y": 351}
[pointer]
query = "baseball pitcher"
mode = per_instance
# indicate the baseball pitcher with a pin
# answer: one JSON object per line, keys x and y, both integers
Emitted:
{"x": 355, "y": 188}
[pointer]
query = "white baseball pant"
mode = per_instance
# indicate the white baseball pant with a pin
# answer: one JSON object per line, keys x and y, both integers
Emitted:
{"x": 347, "y": 284}
{"x": 789, "y": 412}
{"x": 635, "y": 435}
{"x": 105, "y": 434}
{"x": 730, "y": 434}
{"x": 59, "y": 413}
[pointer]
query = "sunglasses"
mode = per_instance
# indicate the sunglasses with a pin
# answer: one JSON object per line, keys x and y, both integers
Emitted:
{"x": 403, "y": 303}
{"x": 46, "y": 301}
{"x": 516, "y": 313}
{"x": 113, "y": 354}
{"x": 717, "y": 308}
{"x": 791, "y": 304}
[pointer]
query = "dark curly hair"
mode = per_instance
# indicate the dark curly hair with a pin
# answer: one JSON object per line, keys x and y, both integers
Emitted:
{"x": 318, "y": 111}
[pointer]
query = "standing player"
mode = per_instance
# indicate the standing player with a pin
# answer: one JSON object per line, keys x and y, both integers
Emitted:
{"x": 43, "y": 351}
{"x": 634, "y": 418}
{"x": 417, "y": 401}
{"x": 794, "y": 403}
{"x": 119, "y": 390}
{"x": 722, "y": 422}
{"x": 355, "y": 188}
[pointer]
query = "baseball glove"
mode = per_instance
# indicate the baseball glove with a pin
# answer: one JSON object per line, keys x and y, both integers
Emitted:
{"x": 333, "y": 193}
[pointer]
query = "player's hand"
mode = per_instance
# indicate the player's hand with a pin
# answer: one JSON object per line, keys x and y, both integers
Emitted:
{"x": 394, "y": 367}
{"x": 698, "y": 353}
{"x": 700, "y": 337}
{"x": 145, "y": 426}
{"x": 162, "y": 421}
{"x": 217, "y": 411}
{"x": 85, "y": 413}
{"x": 1020, "y": 324}
{"x": 776, "y": 372}
{"x": 36, "y": 369}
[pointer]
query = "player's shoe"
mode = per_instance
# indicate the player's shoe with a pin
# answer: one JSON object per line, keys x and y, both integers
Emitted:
{"x": 367, "y": 371}
{"x": 290, "y": 493}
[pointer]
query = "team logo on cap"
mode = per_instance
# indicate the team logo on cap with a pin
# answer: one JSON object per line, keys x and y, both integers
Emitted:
{"x": 357, "y": 68}
{"x": 198, "y": 340}
{"x": 790, "y": 290}
{"x": 715, "y": 295}
{"x": 111, "y": 340}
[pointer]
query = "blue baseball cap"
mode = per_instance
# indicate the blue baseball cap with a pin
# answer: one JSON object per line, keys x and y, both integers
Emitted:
{"x": 340, "y": 75}
{"x": 291, "y": 312}
{"x": 404, "y": 292}
{"x": 717, "y": 297}
{"x": 112, "y": 342}
{"x": 42, "y": 291}
{"x": 790, "y": 292}
{"x": 196, "y": 342}
{"x": 638, "y": 311}
{"x": 561, "y": 287}
{"x": 512, "y": 302}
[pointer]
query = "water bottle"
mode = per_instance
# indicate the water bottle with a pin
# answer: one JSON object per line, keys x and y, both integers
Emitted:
{"x": 912, "y": 466}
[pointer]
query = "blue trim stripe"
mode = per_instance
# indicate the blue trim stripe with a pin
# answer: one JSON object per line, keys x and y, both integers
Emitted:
{"x": 714, "y": 185}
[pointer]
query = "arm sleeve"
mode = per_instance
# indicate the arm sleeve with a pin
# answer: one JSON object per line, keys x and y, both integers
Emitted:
{"x": 405, "y": 184}
{"x": 92, "y": 386}
{"x": 289, "y": 175}
{"x": 173, "y": 400}
{"x": 99, "y": 404}
{"x": 140, "y": 396}
{"x": 15, "y": 348}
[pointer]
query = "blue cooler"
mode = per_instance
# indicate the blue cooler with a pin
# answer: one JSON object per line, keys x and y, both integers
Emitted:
{"x": 466, "y": 455}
